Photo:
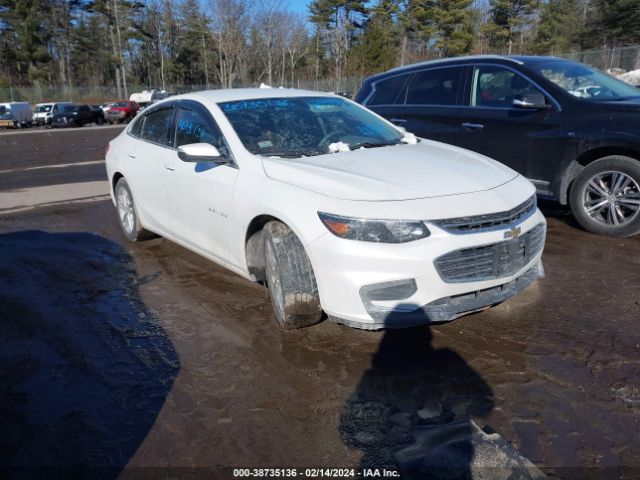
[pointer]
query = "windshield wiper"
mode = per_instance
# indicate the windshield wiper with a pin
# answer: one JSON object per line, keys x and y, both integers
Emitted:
{"x": 292, "y": 154}
{"x": 355, "y": 146}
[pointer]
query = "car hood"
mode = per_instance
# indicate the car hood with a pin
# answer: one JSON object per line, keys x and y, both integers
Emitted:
{"x": 399, "y": 172}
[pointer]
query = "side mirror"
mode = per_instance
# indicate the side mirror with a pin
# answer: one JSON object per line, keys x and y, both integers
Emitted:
{"x": 531, "y": 101}
{"x": 200, "y": 152}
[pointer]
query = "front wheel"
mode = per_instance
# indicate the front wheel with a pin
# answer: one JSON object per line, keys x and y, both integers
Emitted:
{"x": 292, "y": 284}
{"x": 129, "y": 221}
{"x": 605, "y": 198}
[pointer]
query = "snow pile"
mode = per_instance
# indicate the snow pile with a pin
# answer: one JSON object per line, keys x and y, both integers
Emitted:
{"x": 632, "y": 77}
{"x": 338, "y": 147}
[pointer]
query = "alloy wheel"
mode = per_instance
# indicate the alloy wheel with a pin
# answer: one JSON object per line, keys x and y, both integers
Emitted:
{"x": 612, "y": 198}
{"x": 125, "y": 210}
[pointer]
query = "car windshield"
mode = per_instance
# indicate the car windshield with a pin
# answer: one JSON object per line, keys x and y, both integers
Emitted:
{"x": 306, "y": 126}
{"x": 585, "y": 82}
{"x": 69, "y": 108}
{"x": 120, "y": 104}
{"x": 44, "y": 108}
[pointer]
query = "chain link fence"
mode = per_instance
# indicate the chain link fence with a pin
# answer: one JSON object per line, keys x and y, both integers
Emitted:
{"x": 616, "y": 60}
{"x": 100, "y": 94}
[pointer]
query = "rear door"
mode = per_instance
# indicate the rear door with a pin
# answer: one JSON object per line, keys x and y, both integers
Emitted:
{"x": 427, "y": 102}
{"x": 520, "y": 138}
{"x": 150, "y": 150}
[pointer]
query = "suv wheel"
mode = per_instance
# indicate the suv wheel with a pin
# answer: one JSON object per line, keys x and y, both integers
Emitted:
{"x": 292, "y": 284}
{"x": 605, "y": 198}
{"x": 129, "y": 221}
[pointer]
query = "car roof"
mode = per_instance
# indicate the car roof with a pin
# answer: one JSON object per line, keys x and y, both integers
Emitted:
{"x": 515, "y": 59}
{"x": 235, "y": 94}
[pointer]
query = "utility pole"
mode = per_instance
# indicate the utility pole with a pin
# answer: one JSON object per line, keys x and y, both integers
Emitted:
{"x": 124, "y": 75}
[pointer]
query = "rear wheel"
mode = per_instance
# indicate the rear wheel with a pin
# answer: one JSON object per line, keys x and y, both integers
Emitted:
{"x": 605, "y": 198}
{"x": 129, "y": 221}
{"x": 292, "y": 284}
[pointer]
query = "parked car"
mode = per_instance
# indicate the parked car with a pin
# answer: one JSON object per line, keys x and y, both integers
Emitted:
{"x": 44, "y": 112}
{"x": 106, "y": 106}
{"x": 76, "y": 116}
{"x": 570, "y": 128}
{"x": 98, "y": 114}
{"x": 335, "y": 208}
{"x": 120, "y": 112}
{"x": 15, "y": 115}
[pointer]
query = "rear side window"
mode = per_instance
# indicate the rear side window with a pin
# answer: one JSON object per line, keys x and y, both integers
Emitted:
{"x": 157, "y": 127}
{"x": 137, "y": 126}
{"x": 438, "y": 86}
{"x": 389, "y": 91}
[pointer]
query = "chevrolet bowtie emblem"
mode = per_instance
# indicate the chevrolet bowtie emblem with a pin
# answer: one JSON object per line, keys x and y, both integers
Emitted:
{"x": 513, "y": 233}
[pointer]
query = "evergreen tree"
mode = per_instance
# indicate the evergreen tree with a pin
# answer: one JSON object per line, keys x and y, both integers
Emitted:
{"x": 509, "y": 18}
{"x": 559, "y": 28}
{"x": 453, "y": 22}
{"x": 378, "y": 47}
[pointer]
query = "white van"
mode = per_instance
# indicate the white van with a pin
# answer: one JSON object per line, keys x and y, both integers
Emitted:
{"x": 15, "y": 114}
{"x": 43, "y": 113}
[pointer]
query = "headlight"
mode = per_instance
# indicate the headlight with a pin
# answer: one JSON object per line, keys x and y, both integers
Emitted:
{"x": 381, "y": 231}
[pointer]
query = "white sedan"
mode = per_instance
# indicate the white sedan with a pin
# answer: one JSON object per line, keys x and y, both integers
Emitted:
{"x": 337, "y": 210}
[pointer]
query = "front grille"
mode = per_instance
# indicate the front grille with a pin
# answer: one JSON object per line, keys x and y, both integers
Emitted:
{"x": 491, "y": 261}
{"x": 491, "y": 221}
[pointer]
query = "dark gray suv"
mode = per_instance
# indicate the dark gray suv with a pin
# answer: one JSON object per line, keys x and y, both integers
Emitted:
{"x": 572, "y": 130}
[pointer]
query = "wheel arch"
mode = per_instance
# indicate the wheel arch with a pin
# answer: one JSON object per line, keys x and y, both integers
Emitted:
{"x": 585, "y": 158}
{"x": 254, "y": 246}
{"x": 114, "y": 181}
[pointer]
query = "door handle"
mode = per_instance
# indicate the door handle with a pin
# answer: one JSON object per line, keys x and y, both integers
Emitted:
{"x": 131, "y": 155}
{"x": 169, "y": 166}
{"x": 398, "y": 120}
{"x": 472, "y": 126}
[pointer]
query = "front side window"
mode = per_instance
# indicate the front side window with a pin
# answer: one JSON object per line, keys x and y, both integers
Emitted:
{"x": 157, "y": 127}
{"x": 437, "y": 86}
{"x": 494, "y": 86}
{"x": 194, "y": 127}
{"x": 585, "y": 82}
{"x": 306, "y": 126}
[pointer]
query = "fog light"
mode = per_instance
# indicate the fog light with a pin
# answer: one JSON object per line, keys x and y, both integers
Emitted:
{"x": 386, "y": 291}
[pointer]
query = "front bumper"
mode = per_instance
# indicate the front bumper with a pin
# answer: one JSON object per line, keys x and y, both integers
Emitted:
{"x": 343, "y": 268}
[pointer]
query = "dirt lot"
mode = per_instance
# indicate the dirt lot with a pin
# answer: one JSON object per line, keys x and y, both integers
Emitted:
{"x": 131, "y": 356}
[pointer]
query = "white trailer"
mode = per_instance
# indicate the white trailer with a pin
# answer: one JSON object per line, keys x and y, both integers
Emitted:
{"x": 147, "y": 97}
{"x": 15, "y": 114}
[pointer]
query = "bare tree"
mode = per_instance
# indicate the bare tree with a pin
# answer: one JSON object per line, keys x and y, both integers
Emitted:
{"x": 229, "y": 20}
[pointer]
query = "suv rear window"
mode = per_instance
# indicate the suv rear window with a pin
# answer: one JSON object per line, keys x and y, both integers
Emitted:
{"x": 437, "y": 86}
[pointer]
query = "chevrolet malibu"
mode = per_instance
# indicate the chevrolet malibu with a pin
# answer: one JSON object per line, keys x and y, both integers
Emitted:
{"x": 338, "y": 211}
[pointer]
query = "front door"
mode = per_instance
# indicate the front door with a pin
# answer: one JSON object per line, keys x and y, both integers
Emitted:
{"x": 520, "y": 138}
{"x": 202, "y": 192}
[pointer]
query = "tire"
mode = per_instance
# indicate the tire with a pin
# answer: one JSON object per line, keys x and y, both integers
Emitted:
{"x": 127, "y": 215}
{"x": 99, "y": 121}
{"x": 292, "y": 284}
{"x": 605, "y": 197}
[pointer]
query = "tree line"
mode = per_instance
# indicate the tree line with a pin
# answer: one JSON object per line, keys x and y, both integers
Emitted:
{"x": 225, "y": 43}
